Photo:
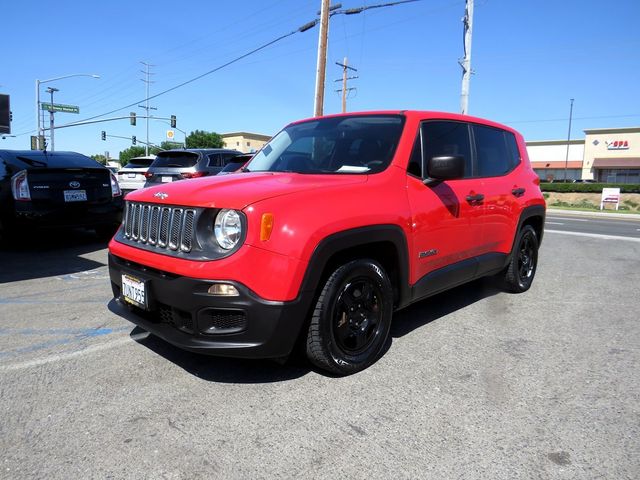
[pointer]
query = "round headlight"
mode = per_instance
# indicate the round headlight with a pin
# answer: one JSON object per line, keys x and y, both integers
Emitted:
{"x": 228, "y": 228}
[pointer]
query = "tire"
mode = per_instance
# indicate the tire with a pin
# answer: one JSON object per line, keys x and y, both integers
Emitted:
{"x": 518, "y": 276}
{"x": 352, "y": 318}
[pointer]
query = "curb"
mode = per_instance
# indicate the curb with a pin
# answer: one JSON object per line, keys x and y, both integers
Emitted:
{"x": 630, "y": 216}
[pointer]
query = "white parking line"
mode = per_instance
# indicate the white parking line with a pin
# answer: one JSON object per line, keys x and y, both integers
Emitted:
{"x": 77, "y": 353}
{"x": 594, "y": 235}
{"x": 570, "y": 219}
{"x": 553, "y": 223}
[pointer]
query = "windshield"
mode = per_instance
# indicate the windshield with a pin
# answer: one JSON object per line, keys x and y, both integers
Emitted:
{"x": 357, "y": 144}
{"x": 175, "y": 159}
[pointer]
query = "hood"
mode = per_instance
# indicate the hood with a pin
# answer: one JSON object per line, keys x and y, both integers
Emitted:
{"x": 239, "y": 190}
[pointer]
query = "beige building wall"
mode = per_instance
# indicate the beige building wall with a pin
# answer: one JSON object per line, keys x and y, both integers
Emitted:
{"x": 600, "y": 143}
{"x": 555, "y": 150}
{"x": 245, "y": 142}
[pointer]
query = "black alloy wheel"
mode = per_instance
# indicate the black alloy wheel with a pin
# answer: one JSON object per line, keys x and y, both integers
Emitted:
{"x": 519, "y": 274}
{"x": 352, "y": 317}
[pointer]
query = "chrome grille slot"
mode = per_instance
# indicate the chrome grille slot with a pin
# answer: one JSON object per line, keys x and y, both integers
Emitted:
{"x": 187, "y": 231}
{"x": 144, "y": 223}
{"x": 174, "y": 229}
{"x": 135, "y": 221}
{"x": 163, "y": 227}
{"x": 153, "y": 225}
{"x": 163, "y": 237}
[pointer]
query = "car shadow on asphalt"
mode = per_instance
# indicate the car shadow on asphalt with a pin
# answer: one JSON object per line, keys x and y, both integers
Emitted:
{"x": 433, "y": 308}
{"x": 235, "y": 370}
{"x": 49, "y": 253}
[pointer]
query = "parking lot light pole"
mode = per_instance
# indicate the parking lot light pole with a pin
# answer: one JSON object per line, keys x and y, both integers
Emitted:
{"x": 566, "y": 159}
{"x": 39, "y": 82}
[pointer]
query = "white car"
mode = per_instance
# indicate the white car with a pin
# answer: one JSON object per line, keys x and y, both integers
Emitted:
{"x": 131, "y": 176}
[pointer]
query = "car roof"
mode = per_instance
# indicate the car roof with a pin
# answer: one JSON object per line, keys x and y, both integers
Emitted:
{"x": 197, "y": 150}
{"x": 419, "y": 115}
{"x": 40, "y": 159}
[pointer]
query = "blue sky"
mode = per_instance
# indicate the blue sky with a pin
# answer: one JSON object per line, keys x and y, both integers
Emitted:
{"x": 529, "y": 59}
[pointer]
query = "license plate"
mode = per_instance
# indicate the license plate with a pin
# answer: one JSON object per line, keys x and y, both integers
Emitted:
{"x": 131, "y": 175}
{"x": 134, "y": 291}
{"x": 75, "y": 195}
{"x": 167, "y": 179}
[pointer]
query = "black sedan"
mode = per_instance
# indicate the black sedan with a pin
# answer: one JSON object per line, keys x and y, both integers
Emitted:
{"x": 56, "y": 189}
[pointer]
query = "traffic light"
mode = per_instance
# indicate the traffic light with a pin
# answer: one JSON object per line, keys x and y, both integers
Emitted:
{"x": 104, "y": 135}
{"x": 132, "y": 118}
{"x": 133, "y": 140}
{"x": 173, "y": 121}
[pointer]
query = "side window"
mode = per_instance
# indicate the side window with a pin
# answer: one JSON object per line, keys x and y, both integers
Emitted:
{"x": 512, "y": 144}
{"x": 494, "y": 158}
{"x": 215, "y": 160}
{"x": 415, "y": 162}
{"x": 443, "y": 138}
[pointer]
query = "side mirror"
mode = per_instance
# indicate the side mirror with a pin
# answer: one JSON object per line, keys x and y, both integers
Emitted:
{"x": 444, "y": 168}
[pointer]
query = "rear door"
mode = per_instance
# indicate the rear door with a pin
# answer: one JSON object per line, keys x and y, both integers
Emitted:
{"x": 497, "y": 158}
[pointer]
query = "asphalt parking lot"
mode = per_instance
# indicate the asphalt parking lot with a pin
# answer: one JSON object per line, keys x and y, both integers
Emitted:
{"x": 476, "y": 384}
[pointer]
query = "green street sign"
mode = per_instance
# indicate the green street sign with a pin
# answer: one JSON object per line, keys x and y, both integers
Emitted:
{"x": 57, "y": 107}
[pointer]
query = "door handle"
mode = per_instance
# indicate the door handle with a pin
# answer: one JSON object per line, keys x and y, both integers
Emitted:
{"x": 518, "y": 192}
{"x": 475, "y": 198}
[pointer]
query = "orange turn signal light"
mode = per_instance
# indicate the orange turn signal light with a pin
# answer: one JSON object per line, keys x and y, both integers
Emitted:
{"x": 266, "y": 226}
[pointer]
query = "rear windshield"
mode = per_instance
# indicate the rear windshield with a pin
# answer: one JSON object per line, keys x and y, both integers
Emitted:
{"x": 139, "y": 162}
{"x": 175, "y": 159}
{"x": 55, "y": 160}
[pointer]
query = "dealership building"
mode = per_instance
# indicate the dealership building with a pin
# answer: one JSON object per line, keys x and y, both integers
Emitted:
{"x": 607, "y": 155}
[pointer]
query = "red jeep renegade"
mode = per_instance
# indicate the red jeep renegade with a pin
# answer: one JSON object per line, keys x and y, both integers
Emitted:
{"x": 335, "y": 224}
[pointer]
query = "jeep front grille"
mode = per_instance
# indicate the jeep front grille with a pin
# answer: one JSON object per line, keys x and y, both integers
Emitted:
{"x": 169, "y": 228}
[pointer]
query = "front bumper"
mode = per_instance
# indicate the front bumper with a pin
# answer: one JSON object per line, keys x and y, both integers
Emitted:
{"x": 181, "y": 312}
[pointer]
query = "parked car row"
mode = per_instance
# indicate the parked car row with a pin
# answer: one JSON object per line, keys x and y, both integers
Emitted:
{"x": 63, "y": 189}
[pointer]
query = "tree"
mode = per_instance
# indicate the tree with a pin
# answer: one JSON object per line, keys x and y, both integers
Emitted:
{"x": 203, "y": 139}
{"x": 129, "y": 153}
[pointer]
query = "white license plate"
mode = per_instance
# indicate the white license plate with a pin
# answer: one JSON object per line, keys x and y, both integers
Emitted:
{"x": 167, "y": 179}
{"x": 75, "y": 195}
{"x": 134, "y": 291}
{"x": 131, "y": 175}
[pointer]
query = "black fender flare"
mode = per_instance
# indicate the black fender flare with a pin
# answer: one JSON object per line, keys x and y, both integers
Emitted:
{"x": 360, "y": 236}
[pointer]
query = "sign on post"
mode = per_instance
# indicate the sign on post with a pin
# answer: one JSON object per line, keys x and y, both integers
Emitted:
{"x": 170, "y": 134}
{"x": 610, "y": 195}
{"x": 58, "y": 107}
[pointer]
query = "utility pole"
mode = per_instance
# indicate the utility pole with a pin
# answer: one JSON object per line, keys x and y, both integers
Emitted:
{"x": 344, "y": 89}
{"x": 566, "y": 158}
{"x": 52, "y": 130}
{"x": 466, "y": 61}
{"x": 321, "y": 65}
{"x": 146, "y": 106}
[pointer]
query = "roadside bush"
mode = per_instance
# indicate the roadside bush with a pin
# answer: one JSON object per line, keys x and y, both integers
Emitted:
{"x": 631, "y": 203}
{"x": 588, "y": 187}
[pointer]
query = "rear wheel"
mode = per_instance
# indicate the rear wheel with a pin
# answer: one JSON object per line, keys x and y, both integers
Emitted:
{"x": 351, "y": 319}
{"x": 519, "y": 274}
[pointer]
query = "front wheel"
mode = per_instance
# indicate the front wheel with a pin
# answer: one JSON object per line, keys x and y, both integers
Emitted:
{"x": 351, "y": 319}
{"x": 519, "y": 274}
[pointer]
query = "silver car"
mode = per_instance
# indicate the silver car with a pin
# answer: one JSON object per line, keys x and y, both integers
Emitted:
{"x": 131, "y": 176}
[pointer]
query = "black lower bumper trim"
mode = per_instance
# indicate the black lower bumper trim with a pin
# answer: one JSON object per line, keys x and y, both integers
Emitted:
{"x": 181, "y": 312}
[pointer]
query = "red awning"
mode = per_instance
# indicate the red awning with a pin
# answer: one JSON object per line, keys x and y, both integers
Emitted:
{"x": 616, "y": 162}
{"x": 557, "y": 164}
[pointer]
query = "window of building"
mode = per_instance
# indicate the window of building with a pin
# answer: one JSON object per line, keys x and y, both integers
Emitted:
{"x": 248, "y": 144}
{"x": 618, "y": 175}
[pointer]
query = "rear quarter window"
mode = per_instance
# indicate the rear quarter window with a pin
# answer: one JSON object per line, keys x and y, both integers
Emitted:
{"x": 494, "y": 155}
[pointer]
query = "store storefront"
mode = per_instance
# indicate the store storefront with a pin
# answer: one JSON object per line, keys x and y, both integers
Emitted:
{"x": 612, "y": 155}
{"x": 607, "y": 155}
